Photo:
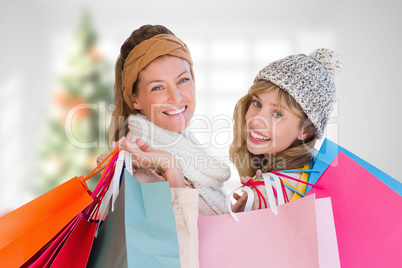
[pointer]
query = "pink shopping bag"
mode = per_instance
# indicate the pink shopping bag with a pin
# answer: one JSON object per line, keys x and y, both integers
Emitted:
{"x": 301, "y": 235}
{"x": 367, "y": 215}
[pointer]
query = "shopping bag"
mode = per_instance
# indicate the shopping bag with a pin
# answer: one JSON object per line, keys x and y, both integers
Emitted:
{"x": 69, "y": 249}
{"x": 27, "y": 229}
{"x": 327, "y": 154}
{"x": 76, "y": 249}
{"x": 302, "y": 234}
{"x": 26, "y": 232}
{"x": 72, "y": 246}
{"x": 109, "y": 247}
{"x": 141, "y": 232}
{"x": 367, "y": 214}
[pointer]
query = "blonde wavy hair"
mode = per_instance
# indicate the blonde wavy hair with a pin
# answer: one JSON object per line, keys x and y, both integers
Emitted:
{"x": 118, "y": 125}
{"x": 299, "y": 153}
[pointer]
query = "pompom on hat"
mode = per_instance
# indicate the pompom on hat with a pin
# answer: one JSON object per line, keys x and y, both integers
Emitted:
{"x": 309, "y": 80}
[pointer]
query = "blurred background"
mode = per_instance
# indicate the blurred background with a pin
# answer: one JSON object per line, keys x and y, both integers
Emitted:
{"x": 57, "y": 62}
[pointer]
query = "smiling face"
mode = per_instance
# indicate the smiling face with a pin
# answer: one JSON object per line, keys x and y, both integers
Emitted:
{"x": 165, "y": 93}
{"x": 271, "y": 128}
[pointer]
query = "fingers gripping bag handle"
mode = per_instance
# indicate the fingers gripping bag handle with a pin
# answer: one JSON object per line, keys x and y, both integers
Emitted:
{"x": 270, "y": 195}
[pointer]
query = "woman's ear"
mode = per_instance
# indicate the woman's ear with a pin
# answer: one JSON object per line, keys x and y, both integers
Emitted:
{"x": 307, "y": 131}
{"x": 304, "y": 134}
{"x": 135, "y": 103}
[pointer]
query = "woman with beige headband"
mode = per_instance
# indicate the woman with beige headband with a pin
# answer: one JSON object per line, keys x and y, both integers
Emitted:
{"x": 154, "y": 102}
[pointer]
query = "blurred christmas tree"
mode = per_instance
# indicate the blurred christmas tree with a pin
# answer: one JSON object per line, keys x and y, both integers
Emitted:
{"x": 77, "y": 128}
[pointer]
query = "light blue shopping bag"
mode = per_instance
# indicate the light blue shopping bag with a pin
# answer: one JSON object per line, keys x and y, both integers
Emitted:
{"x": 151, "y": 235}
{"x": 141, "y": 232}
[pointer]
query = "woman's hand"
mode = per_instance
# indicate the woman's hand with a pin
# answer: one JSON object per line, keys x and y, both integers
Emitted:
{"x": 119, "y": 144}
{"x": 245, "y": 179}
{"x": 240, "y": 202}
{"x": 143, "y": 156}
{"x": 242, "y": 199}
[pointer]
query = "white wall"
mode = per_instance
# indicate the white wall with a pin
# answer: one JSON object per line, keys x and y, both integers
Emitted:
{"x": 230, "y": 42}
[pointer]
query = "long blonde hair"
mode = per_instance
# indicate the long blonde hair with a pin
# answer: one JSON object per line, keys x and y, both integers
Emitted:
{"x": 296, "y": 156}
{"x": 118, "y": 125}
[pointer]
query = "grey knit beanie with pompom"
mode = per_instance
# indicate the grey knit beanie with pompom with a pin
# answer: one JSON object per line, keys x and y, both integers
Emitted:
{"x": 309, "y": 80}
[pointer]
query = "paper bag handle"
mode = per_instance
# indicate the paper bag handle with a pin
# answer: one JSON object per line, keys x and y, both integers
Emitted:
{"x": 249, "y": 202}
{"x": 100, "y": 167}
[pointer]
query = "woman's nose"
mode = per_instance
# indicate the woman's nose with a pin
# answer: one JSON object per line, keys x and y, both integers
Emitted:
{"x": 174, "y": 95}
{"x": 261, "y": 122}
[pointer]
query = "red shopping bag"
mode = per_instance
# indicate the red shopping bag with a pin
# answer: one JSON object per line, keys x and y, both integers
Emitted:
{"x": 70, "y": 248}
{"x": 301, "y": 235}
{"x": 26, "y": 230}
{"x": 367, "y": 214}
{"x": 75, "y": 251}
{"x": 43, "y": 257}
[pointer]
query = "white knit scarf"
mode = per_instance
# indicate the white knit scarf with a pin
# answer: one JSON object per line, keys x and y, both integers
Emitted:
{"x": 206, "y": 172}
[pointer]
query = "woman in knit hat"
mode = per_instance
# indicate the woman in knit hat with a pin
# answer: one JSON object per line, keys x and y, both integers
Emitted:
{"x": 277, "y": 123}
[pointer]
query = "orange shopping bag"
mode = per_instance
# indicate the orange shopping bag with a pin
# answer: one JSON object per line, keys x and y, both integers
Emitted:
{"x": 24, "y": 231}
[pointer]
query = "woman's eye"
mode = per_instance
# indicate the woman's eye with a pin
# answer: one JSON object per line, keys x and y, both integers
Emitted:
{"x": 278, "y": 115}
{"x": 257, "y": 104}
{"x": 156, "y": 88}
{"x": 183, "y": 80}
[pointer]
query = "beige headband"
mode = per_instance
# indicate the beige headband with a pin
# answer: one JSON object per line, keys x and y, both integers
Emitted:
{"x": 144, "y": 53}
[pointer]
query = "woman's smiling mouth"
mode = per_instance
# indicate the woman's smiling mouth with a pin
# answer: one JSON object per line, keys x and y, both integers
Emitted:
{"x": 256, "y": 137}
{"x": 175, "y": 112}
